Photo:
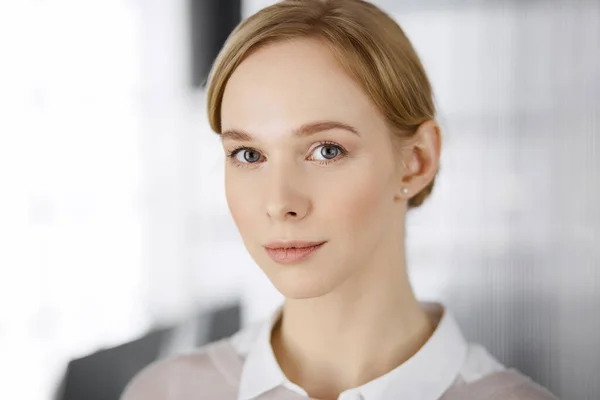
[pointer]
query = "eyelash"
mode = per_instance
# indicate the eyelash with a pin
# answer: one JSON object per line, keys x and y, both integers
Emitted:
{"x": 231, "y": 154}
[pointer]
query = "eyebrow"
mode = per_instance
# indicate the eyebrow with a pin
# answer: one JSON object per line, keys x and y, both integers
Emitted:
{"x": 303, "y": 131}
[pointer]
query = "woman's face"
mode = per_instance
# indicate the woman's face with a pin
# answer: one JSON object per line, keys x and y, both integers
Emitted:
{"x": 311, "y": 160}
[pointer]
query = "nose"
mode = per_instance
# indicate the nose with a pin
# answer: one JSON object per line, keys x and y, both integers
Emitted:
{"x": 286, "y": 196}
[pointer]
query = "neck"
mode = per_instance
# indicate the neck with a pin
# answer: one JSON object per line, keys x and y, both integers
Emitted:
{"x": 344, "y": 339}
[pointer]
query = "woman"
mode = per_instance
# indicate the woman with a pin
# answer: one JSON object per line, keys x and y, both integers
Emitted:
{"x": 328, "y": 125}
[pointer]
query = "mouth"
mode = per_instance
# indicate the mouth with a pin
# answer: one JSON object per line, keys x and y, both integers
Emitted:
{"x": 292, "y": 252}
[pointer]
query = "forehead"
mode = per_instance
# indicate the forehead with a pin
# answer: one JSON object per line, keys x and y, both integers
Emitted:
{"x": 286, "y": 84}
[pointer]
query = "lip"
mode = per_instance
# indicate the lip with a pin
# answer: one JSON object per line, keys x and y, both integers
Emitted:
{"x": 290, "y": 252}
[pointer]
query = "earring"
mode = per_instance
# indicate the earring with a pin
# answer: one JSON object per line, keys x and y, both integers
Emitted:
{"x": 404, "y": 190}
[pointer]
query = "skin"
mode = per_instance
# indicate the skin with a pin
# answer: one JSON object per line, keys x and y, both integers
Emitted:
{"x": 350, "y": 314}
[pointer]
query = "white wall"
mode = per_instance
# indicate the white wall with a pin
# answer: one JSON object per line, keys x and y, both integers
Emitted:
{"x": 71, "y": 274}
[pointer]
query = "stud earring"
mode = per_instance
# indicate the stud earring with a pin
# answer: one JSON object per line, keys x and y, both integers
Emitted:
{"x": 404, "y": 190}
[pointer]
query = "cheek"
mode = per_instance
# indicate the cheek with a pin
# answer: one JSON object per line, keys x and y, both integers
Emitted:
{"x": 240, "y": 197}
{"x": 357, "y": 201}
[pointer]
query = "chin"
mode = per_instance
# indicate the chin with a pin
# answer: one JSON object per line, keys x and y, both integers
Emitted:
{"x": 300, "y": 293}
{"x": 295, "y": 283}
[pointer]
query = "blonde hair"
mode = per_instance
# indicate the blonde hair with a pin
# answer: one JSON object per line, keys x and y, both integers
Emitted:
{"x": 368, "y": 43}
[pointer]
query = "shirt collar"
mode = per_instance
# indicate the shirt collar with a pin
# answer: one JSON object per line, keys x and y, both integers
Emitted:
{"x": 261, "y": 372}
{"x": 425, "y": 376}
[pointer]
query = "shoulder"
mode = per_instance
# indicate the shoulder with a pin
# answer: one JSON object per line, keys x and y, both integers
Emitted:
{"x": 483, "y": 377}
{"x": 206, "y": 373}
{"x": 509, "y": 384}
{"x": 211, "y": 371}
{"x": 513, "y": 385}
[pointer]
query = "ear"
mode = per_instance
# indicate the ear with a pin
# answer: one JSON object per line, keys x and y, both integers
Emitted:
{"x": 420, "y": 159}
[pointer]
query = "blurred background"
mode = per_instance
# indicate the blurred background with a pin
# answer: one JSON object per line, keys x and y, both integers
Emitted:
{"x": 116, "y": 246}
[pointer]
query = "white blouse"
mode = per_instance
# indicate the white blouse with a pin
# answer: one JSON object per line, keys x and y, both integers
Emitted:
{"x": 243, "y": 367}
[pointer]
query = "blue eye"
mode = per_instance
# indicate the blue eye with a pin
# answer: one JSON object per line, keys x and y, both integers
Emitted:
{"x": 247, "y": 156}
{"x": 326, "y": 152}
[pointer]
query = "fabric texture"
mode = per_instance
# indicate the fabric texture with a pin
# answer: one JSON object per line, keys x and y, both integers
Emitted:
{"x": 213, "y": 373}
{"x": 243, "y": 367}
